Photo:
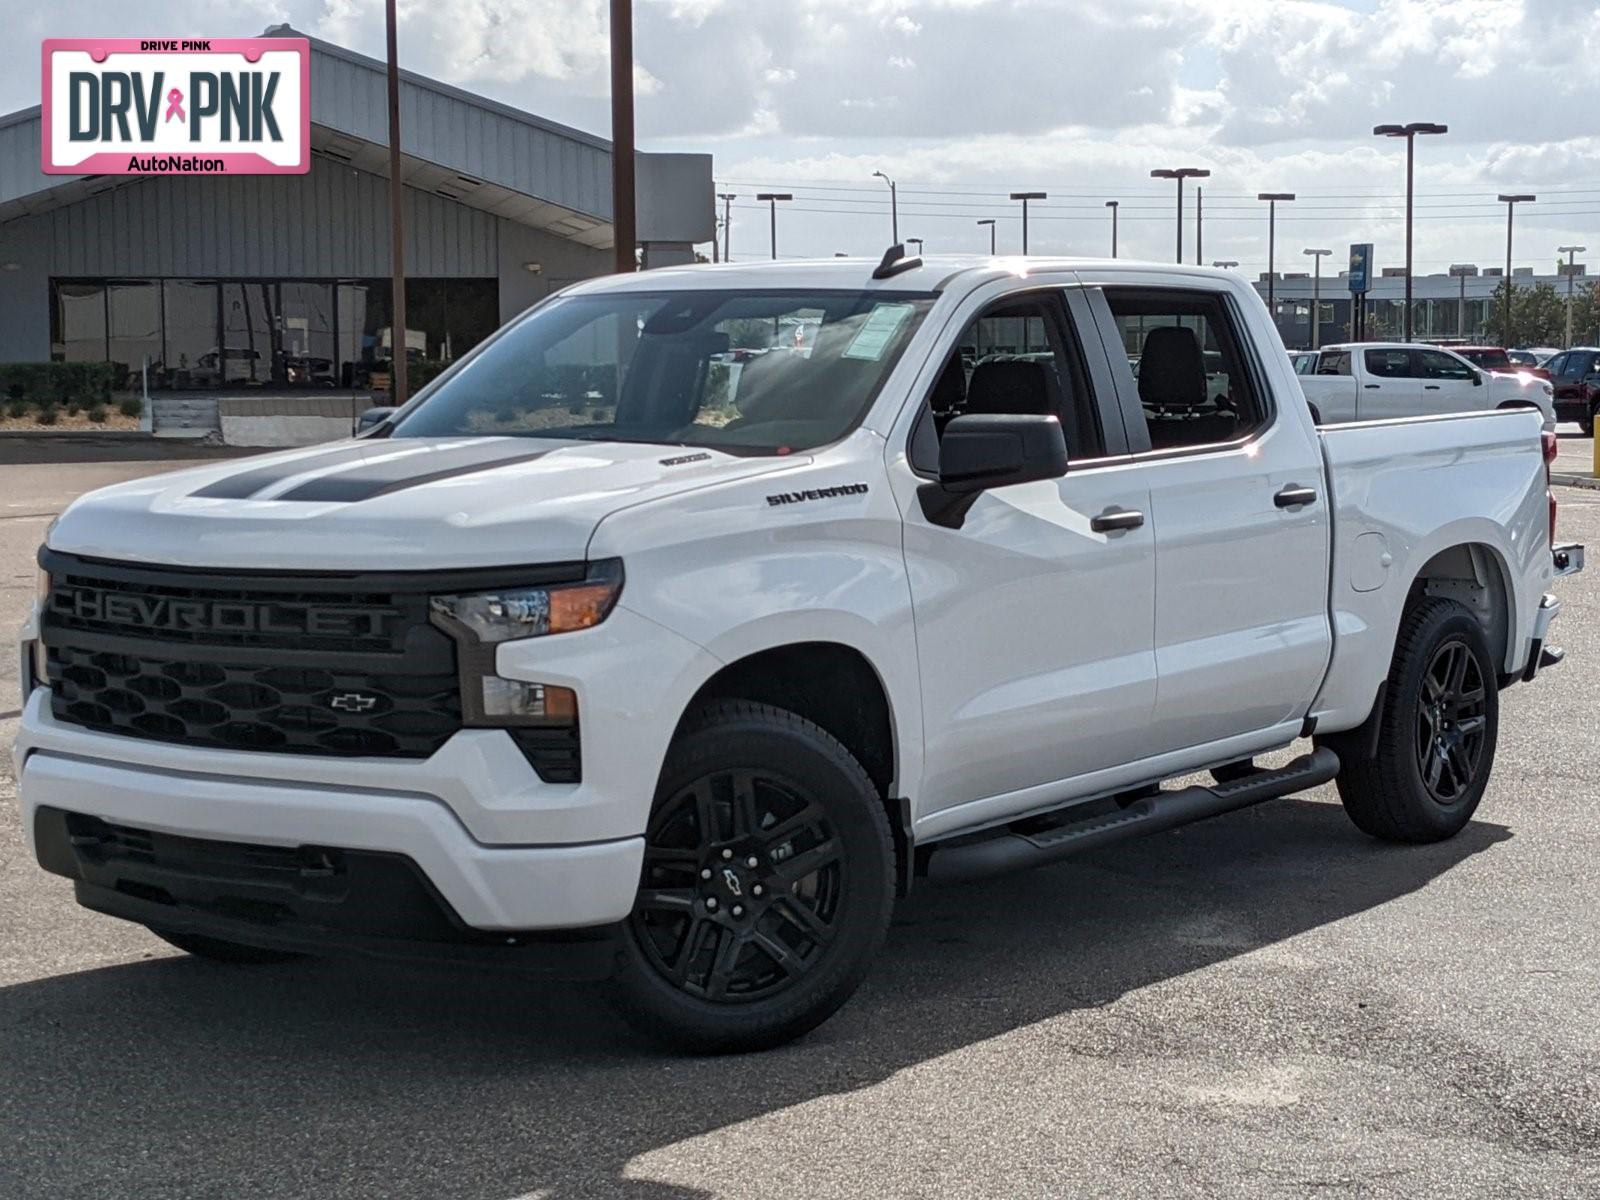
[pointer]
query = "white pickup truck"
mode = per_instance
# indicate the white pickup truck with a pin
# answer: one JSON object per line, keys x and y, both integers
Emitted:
{"x": 696, "y": 615}
{"x": 1370, "y": 381}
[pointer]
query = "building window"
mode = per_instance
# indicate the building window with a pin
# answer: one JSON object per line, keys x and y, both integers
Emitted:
{"x": 77, "y": 321}
{"x": 305, "y": 343}
{"x": 134, "y": 310}
{"x": 189, "y": 309}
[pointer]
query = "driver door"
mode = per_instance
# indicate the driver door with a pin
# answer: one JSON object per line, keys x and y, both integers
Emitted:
{"x": 1035, "y": 618}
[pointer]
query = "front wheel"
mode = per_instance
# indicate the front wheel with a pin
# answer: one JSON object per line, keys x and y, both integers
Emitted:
{"x": 1436, "y": 732}
{"x": 767, "y": 887}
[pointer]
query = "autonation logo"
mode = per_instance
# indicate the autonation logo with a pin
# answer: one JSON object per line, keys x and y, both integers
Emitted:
{"x": 201, "y": 106}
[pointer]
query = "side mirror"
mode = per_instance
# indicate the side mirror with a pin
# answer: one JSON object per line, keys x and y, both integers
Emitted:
{"x": 1477, "y": 379}
{"x": 372, "y": 418}
{"x": 977, "y": 453}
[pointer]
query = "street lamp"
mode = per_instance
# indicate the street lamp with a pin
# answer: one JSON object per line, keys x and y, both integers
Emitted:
{"x": 771, "y": 199}
{"x": 1316, "y": 297}
{"x": 894, "y": 208}
{"x": 1409, "y": 132}
{"x": 1225, "y": 263}
{"x": 1112, "y": 205}
{"x": 1025, "y": 197}
{"x": 1272, "y": 199}
{"x": 989, "y": 221}
{"x": 1180, "y": 174}
{"x": 918, "y": 242}
{"x": 1511, "y": 203}
{"x": 1199, "y": 224}
{"x": 1462, "y": 271}
{"x": 1572, "y": 253}
{"x": 727, "y": 199}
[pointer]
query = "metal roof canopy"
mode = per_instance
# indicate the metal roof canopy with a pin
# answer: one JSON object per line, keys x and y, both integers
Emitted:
{"x": 454, "y": 144}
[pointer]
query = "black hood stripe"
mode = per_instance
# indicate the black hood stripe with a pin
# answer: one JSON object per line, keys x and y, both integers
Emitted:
{"x": 414, "y": 470}
{"x": 247, "y": 483}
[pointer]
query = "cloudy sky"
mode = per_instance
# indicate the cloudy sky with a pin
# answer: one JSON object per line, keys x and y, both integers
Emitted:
{"x": 964, "y": 101}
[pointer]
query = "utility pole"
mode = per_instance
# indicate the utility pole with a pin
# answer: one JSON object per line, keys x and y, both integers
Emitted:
{"x": 1572, "y": 253}
{"x": 1316, "y": 297}
{"x": 1409, "y": 132}
{"x": 1461, "y": 271}
{"x": 894, "y": 208}
{"x": 624, "y": 220}
{"x": 1272, "y": 199}
{"x": 1113, "y": 205}
{"x": 397, "y": 233}
{"x": 727, "y": 199}
{"x": 1025, "y": 197}
{"x": 990, "y": 222}
{"x": 1180, "y": 174}
{"x": 1199, "y": 224}
{"x": 772, "y": 199}
{"x": 1511, "y": 202}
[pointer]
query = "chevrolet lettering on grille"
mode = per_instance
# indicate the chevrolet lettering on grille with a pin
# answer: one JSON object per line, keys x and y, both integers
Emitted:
{"x": 218, "y": 616}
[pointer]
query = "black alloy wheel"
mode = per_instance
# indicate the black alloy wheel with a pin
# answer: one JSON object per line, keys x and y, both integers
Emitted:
{"x": 742, "y": 885}
{"x": 1451, "y": 722}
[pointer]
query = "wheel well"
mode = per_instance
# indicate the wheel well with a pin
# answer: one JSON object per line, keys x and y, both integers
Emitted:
{"x": 1470, "y": 573}
{"x": 836, "y": 688}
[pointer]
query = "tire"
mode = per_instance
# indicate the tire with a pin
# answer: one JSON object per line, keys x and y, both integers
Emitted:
{"x": 1436, "y": 731}
{"x": 720, "y": 956}
{"x": 1586, "y": 423}
{"x": 217, "y": 950}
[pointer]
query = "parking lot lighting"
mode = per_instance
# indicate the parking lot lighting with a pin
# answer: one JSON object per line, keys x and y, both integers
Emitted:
{"x": 1025, "y": 197}
{"x": 1180, "y": 174}
{"x": 1316, "y": 296}
{"x": 990, "y": 222}
{"x": 1409, "y": 132}
{"x": 1272, "y": 199}
{"x": 1511, "y": 201}
{"x": 771, "y": 199}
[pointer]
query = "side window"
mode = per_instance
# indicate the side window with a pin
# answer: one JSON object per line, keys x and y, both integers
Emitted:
{"x": 1188, "y": 361}
{"x": 1558, "y": 365}
{"x": 1334, "y": 362}
{"x": 1434, "y": 365}
{"x": 1017, "y": 356}
{"x": 1388, "y": 364}
{"x": 1594, "y": 365}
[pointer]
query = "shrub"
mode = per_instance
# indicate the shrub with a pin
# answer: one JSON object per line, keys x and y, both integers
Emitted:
{"x": 83, "y": 382}
{"x": 130, "y": 406}
{"x": 46, "y": 415}
{"x": 98, "y": 414}
{"x": 16, "y": 408}
{"x": 73, "y": 406}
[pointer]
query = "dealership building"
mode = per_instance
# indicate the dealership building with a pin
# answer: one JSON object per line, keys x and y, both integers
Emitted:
{"x": 238, "y": 283}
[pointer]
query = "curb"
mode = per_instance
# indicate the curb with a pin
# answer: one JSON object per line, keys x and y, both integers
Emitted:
{"x": 1590, "y": 482}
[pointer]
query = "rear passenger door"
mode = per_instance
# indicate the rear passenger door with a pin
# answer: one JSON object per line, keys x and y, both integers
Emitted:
{"x": 1389, "y": 385}
{"x": 1241, "y": 521}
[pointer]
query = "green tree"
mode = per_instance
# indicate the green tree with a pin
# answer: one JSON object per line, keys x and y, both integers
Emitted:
{"x": 1538, "y": 316}
{"x": 1586, "y": 314}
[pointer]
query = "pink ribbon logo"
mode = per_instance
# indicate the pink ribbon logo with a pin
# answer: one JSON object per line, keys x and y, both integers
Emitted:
{"x": 175, "y": 105}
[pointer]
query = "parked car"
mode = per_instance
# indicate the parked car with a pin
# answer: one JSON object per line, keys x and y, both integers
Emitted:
{"x": 1575, "y": 375}
{"x": 1373, "y": 380}
{"x": 1532, "y": 356}
{"x": 687, "y": 700}
{"x": 1502, "y": 362}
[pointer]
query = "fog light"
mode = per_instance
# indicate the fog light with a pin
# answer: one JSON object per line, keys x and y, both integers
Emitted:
{"x": 515, "y": 700}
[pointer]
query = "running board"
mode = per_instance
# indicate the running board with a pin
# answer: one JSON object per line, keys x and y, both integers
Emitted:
{"x": 1015, "y": 851}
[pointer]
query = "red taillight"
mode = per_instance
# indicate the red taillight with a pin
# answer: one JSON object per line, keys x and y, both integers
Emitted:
{"x": 1550, "y": 446}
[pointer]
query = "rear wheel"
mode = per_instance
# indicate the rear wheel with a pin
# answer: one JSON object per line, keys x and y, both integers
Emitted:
{"x": 767, "y": 886}
{"x": 1436, "y": 732}
{"x": 221, "y": 951}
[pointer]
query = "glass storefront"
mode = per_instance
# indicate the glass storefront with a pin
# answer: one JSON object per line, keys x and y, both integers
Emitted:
{"x": 232, "y": 333}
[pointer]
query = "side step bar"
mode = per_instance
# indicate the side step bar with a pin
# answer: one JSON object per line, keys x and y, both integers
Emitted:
{"x": 1015, "y": 851}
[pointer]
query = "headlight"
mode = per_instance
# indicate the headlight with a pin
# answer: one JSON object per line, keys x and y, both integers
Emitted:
{"x": 41, "y": 660}
{"x": 502, "y": 616}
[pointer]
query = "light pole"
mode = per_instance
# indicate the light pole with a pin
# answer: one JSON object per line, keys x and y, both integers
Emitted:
{"x": 1461, "y": 271}
{"x": 1113, "y": 205}
{"x": 1572, "y": 253}
{"x": 771, "y": 199}
{"x": 1199, "y": 224}
{"x": 1316, "y": 297}
{"x": 894, "y": 208}
{"x": 989, "y": 221}
{"x": 918, "y": 241}
{"x": 1409, "y": 132}
{"x": 727, "y": 199}
{"x": 624, "y": 222}
{"x": 1224, "y": 264}
{"x": 397, "y": 236}
{"x": 1180, "y": 174}
{"x": 1272, "y": 199}
{"x": 1025, "y": 197}
{"x": 1511, "y": 202}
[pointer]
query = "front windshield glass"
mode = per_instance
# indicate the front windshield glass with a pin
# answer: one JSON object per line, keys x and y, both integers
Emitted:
{"x": 753, "y": 372}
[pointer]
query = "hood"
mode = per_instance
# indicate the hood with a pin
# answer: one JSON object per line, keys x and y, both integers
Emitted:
{"x": 419, "y": 503}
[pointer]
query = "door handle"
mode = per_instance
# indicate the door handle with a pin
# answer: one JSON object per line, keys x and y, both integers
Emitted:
{"x": 1115, "y": 520}
{"x": 1430, "y": 387}
{"x": 1295, "y": 497}
{"x": 1372, "y": 387}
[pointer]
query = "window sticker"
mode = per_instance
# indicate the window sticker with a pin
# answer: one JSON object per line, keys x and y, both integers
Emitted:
{"x": 877, "y": 331}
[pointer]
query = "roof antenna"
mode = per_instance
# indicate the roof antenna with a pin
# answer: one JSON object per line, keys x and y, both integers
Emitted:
{"x": 895, "y": 262}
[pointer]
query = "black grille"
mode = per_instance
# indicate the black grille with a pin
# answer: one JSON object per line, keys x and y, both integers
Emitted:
{"x": 290, "y": 709}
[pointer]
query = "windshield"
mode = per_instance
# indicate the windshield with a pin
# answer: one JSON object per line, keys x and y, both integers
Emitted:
{"x": 749, "y": 372}
{"x": 1489, "y": 360}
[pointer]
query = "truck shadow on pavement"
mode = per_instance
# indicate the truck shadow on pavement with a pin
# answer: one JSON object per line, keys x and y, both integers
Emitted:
{"x": 176, "y": 1077}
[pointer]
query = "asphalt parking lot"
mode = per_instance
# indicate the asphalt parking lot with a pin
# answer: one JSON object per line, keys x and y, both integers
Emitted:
{"x": 1268, "y": 1004}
